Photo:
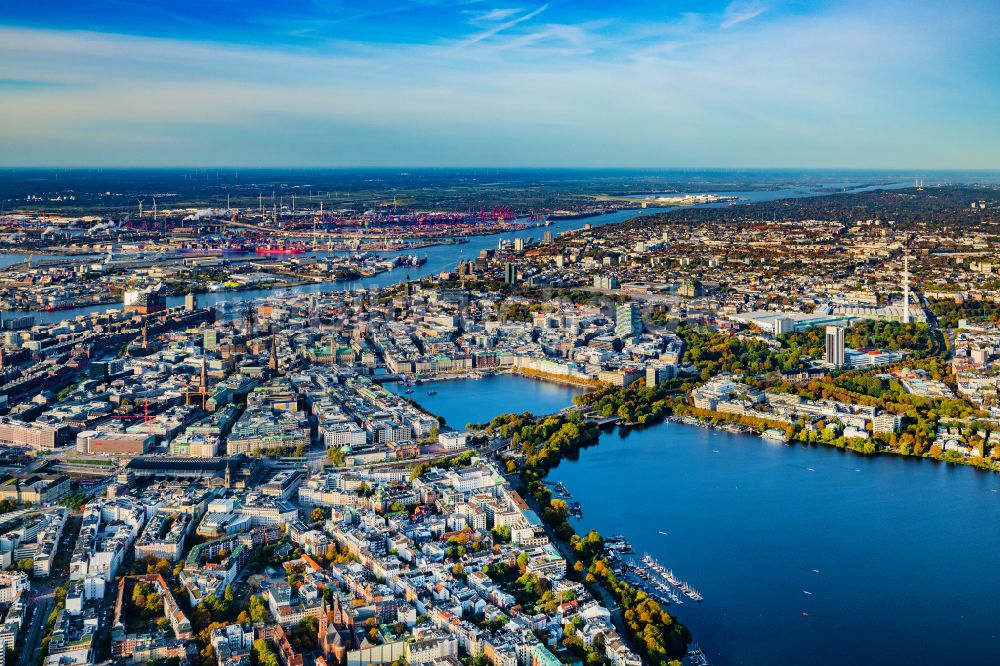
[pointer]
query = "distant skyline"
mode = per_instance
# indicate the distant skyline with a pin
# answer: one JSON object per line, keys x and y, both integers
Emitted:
{"x": 742, "y": 84}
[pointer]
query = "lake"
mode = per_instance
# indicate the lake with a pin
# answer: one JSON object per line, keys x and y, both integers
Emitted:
{"x": 805, "y": 555}
{"x": 462, "y": 401}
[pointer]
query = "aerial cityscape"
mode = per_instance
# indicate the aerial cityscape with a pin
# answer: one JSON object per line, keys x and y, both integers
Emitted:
{"x": 385, "y": 334}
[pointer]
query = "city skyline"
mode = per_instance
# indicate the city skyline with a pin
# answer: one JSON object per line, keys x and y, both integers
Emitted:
{"x": 738, "y": 84}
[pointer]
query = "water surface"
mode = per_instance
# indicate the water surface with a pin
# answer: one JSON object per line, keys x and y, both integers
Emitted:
{"x": 463, "y": 401}
{"x": 899, "y": 555}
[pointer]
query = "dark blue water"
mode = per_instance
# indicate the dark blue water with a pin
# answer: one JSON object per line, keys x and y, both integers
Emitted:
{"x": 905, "y": 550}
{"x": 464, "y": 401}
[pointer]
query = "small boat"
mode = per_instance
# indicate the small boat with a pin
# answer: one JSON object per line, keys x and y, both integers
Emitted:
{"x": 432, "y": 393}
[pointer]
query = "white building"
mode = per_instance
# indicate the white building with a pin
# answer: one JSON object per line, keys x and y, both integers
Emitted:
{"x": 453, "y": 441}
{"x": 886, "y": 423}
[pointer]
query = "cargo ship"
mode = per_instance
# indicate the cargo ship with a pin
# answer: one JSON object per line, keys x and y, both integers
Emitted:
{"x": 214, "y": 249}
{"x": 56, "y": 306}
{"x": 280, "y": 249}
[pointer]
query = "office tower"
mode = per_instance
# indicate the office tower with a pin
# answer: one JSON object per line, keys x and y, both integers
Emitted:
{"x": 628, "y": 320}
{"x": 510, "y": 274}
{"x": 691, "y": 289}
{"x": 211, "y": 339}
{"x": 834, "y": 346}
{"x": 606, "y": 282}
{"x": 784, "y": 325}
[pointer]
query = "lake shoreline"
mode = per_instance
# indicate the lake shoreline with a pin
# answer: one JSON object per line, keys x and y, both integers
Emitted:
{"x": 720, "y": 422}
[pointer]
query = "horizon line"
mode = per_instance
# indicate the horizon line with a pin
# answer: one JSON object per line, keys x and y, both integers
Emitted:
{"x": 498, "y": 168}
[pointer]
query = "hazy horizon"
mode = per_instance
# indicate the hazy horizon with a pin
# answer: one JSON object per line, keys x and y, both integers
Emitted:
{"x": 511, "y": 168}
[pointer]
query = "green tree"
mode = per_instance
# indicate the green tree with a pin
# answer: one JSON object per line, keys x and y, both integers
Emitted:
{"x": 336, "y": 456}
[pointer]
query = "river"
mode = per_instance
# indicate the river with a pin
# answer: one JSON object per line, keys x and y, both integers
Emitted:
{"x": 805, "y": 555}
{"x": 446, "y": 257}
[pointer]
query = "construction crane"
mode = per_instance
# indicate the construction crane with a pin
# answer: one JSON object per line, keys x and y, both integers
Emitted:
{"x": 146, "y": 418}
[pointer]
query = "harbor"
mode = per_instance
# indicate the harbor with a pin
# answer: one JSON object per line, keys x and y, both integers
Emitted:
{"x": 561, "y": 492}
{"x": 647, "y": 574}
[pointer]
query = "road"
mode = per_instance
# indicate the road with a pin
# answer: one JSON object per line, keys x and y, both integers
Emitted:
{"x": 941, "y": 347}
{"x": 42, "y": 597}
{"x": 41, "y": 606}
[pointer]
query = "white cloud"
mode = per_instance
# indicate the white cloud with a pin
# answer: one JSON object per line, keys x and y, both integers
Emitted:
{"x": 740, "y": 11}
{"x": 496, "y": 14}
{"x": 506, "y": 25}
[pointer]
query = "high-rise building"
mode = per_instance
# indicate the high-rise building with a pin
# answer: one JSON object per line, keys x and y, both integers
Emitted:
{"x": 783, "y": 325}
{"x": 658, "y": 373}
{"x": 628, "y": 320}
{"x": 691, "y": 289}
{"x": 210, "y": 339}
{"x": 606, "y": 282}
{"x": 510, "y": 274}
{"x": 518, "y": 244}
{"x": 191, "y": 301}
{"x": 465, "y": 269}
{"x": 547, "y": 237}
{"x": 834, "y": 346}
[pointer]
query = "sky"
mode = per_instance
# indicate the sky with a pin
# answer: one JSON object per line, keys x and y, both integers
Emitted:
{"x": 563, "y": 83}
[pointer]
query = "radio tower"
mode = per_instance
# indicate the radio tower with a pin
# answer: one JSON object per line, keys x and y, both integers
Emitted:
{"x": 906, "y": 283}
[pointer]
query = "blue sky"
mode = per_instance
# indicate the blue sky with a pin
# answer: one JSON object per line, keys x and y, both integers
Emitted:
{"x": 748, "y": 83}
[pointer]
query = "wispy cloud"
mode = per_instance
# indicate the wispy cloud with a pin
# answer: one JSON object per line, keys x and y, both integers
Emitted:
{"x": 741, "y": 11}
{"x": 496, "y": 14}
{"x": 506, "y": 25}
